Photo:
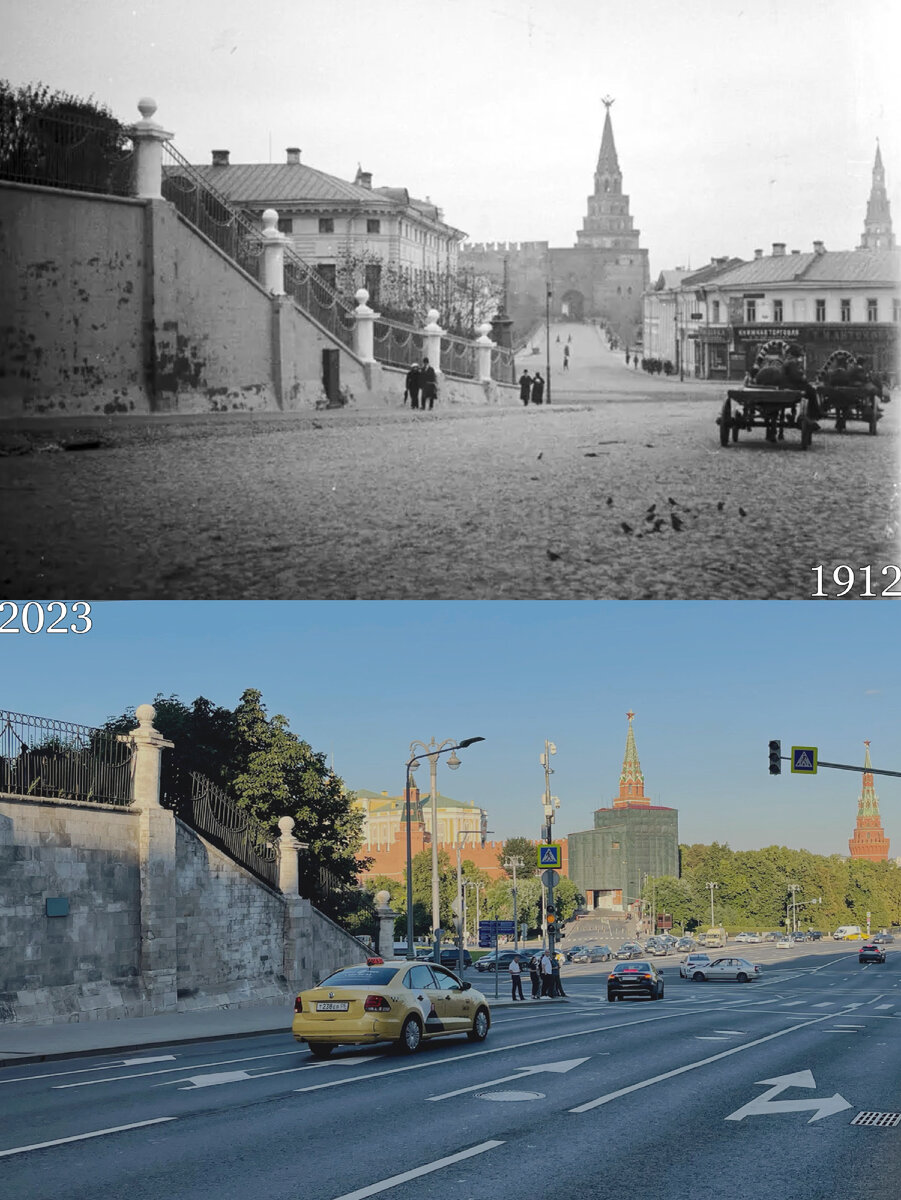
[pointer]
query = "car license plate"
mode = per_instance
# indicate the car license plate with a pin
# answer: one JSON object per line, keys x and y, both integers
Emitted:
{"x": 332, "y": 1006}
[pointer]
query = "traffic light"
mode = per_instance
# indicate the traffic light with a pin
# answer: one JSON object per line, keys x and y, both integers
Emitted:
{"x": 775, "y": 758}
{"x": 551, "y": 920}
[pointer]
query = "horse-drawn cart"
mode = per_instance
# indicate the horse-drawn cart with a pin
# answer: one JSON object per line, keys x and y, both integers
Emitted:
{"x": 848, "y": 391}
{"x": 775, "y": 396}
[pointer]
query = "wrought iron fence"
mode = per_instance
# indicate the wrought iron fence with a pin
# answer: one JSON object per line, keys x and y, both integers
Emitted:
{"x": 458, "y": 357}
{"x": 61, "y": 761}
{"x": 503, "y": 368}
{"x": 397, "y": 344}
{"x": 316, "y": 296}
{"x": 65, "y": 150}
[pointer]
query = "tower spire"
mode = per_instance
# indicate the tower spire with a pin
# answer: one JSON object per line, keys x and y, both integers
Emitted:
{"x": 868, "y": 840}
{"x": 608, "y": 224}
{"x": 877, "y": 226}
{"x": 631, "y": 780}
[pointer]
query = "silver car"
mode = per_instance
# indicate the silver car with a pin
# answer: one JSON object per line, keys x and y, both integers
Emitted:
{"x": 592, "y": 954}
{"x": 692, "y": 963}
{"x": 726, "y": 968}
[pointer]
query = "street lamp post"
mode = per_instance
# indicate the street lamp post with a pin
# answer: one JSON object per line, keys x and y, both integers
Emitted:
{"x": 461, "y": 839}
{"x": 431, "y": 752}
{"x": 793, "y": 888}
{"x": 515, "y": 864}
{"x": 547, "y": 326}
{"x": 549, "y": 803}
{"x": 710, "y": 887}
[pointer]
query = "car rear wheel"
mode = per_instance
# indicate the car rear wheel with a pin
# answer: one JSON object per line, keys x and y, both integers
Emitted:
{"x": 610, "y": 997}
{"x": 480, "y": 1026}
{"x": 698, "y": 977}
{"x": 742, "y": 977}
{"x": 660, "y": 992}
{"x": 410, "y": 1036}
{"x": 319, "y": 1049}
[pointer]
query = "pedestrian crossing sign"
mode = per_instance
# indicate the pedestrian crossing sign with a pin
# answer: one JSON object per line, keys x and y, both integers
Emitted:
{"x": 804, "y": 760}
{"x": 550, "y": 854}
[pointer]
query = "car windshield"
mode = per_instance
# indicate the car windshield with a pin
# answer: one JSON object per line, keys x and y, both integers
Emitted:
{"x": 360, "y": 977}
{"x": 634, "y": 966}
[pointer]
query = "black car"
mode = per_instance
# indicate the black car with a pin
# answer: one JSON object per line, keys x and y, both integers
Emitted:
{"x": 504, "y": 957}
{"x": 815, "y": 935}
{"x": 450, "y": 957}
{"x": 870, "y": 953}
{"x": 801, "y": 936}
{"x": 634, "y": 979}
{"x": 629, "y": 950}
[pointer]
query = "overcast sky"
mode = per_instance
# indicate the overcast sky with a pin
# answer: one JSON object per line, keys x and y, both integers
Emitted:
{"x": 737, "y": 124}
{"x": 710, "y": 684}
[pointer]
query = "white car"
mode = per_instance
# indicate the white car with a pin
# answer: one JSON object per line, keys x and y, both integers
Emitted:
{"x": 692, "y": 963}
{"x": 743, "y": 937}
{"x": 785, "y": 943}
{"x": 726, "y": 968}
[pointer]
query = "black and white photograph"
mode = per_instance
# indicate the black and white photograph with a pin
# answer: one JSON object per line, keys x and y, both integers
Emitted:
{"x": 450, "y": 301}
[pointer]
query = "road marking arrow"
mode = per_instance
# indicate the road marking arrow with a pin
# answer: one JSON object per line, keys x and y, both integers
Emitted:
{"x": 188, "y": 1082}
{"x": 557, "y": 1068}
{"x": 765, "y": 1105}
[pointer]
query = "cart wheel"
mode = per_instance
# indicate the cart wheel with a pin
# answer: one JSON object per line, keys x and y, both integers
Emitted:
{"x": 804, "y": 422}
{"x": 874, "y": 418}
{"x": 725, "y": 422}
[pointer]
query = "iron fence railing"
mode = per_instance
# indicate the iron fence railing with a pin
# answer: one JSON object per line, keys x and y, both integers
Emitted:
{"x": 61, "y": 761}
{"x": 316, "y": 296}
{"x": 65, "y": 150}
{"x": 397, "y": 344}
{"x": 458, "y": 357}
{"x": 503, "y": 368}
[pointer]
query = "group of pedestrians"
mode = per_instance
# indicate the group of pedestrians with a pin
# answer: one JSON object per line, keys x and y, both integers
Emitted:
{"x": 531, "y": 389}
{"x": 421, "y": 384}
{"x": 544, "y": 975}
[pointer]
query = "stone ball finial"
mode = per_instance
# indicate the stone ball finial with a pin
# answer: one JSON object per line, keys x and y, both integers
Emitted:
{"x": 270, "y": 221}
{"x": 146, "y": 107}
{"x": 485, "y": 328}
{"x": 362, "y": 296}
{"x": 383, "y": 899}
{"x": 433, "y": 316}
{"x": 285, "y": 824}
{"x": 145, "y": 714}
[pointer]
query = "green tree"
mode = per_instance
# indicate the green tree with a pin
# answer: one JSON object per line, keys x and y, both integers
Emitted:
{"x": 522, "y": 848}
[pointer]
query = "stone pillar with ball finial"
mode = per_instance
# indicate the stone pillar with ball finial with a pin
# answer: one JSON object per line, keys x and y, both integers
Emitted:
{"x": 156, "y": 856}
{"x": 485, "y": 346}
{"x": 364, "y": 319}
{"x": 148, "y": 138}
{"x": 273, "y": 254}
{"x": 386, "y": 916}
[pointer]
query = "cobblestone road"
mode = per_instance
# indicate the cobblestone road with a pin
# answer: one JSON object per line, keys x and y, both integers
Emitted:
{"x": 626, "y": 497}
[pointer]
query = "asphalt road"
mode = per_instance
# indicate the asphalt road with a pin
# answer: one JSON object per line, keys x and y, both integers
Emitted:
{"x": 618, "y": 490}
{"x": 718, "y": 1089}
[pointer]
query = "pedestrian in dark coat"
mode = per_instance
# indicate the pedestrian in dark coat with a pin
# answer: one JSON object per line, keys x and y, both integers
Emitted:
{"x": 429, "y": 382}
{"x": 412, "y": 386}
{"x": 537, "y": 389}
{"x": 516, "y": 979}
{"x": 525, "y": 387}
{"x": 535, "y": 975}
{"x": 556, "y": 985}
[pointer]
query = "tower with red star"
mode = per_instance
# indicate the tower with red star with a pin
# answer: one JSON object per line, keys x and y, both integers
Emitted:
{"x": 868, "y": 840}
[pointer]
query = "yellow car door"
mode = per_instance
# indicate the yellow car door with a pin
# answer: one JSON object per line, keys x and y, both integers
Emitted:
{"x": 453, "y": 1006}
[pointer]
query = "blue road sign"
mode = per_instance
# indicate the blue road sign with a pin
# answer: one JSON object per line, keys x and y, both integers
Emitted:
{"x": 550, "y": 854}
{"x": 804, "y": 760}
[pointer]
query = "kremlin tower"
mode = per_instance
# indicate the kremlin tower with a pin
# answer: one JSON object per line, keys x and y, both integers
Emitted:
{"x": 869, "y": 840}
{"x": 877, "y": 228}
{"x": 631, "y": 780}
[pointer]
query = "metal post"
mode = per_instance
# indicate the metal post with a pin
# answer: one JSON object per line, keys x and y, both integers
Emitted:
{"x": 547, "y": 324}
{"x": 409, "y": 868}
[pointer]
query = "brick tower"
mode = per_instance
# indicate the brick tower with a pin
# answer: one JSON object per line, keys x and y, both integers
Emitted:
{"x": 631, "y": 780}
{"x": 608, "y": 223}
{"x": 877, "y": 228}
{"x": 869, "y": 840}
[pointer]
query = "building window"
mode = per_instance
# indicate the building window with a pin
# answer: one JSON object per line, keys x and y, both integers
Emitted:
{"x": 373, "y": 225}
{"x": 872, "y": 310}
{"x": 327, "y": 271}
{"x": 845, "y": 311}
{"x": 750, "y": 311}
{"x": 285, "y": 225}
{"x": 326, "y": 224}
{"x": 715, "y": 311}
{"x": 777, "y": 311}
{"x": 820, "y": 310}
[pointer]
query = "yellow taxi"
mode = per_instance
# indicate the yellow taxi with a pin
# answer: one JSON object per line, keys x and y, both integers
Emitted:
{"x": 388, "y": 1001}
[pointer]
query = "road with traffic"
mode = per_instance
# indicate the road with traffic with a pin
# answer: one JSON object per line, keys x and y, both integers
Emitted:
{"x": 763, "y": 1089}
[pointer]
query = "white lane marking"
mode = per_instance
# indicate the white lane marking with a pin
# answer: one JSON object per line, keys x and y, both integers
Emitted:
{"x": 885, "y": 1006}
{"x": 557, "y": 1068}
{"x": 218, "y": 1077}
{"x": 824, "y": 1004}
{"x": 125, "y": 1062}
{"x": 692, "y": 1066}
{"x": 708, "y": 1038}
{"x": 765, "y": 1105}
{"x": 394, "y": 1180}
{"x": 80, "y": 1137}
{"x": 494, "y": 1050}
{"x": 792, "y": 1003}
{"x": 226, "y": 1062}
{"x": 737, "y": 1032}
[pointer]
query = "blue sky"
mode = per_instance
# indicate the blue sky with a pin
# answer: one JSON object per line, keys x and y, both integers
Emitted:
{"x": 710, "y": 684}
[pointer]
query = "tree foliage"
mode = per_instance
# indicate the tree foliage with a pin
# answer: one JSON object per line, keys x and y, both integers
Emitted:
{"x": 267, "y": 770}
{"x": 522, "y": 848}
{"x": 753, "y": 888}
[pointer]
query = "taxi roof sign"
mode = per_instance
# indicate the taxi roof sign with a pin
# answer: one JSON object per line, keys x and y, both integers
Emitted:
{"x": 550, "y": 854}
{"x": 804, "y": 760}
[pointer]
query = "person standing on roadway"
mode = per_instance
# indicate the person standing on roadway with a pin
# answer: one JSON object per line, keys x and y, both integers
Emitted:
{"x": 535, "y": 975}
{"x": 516, "y": 978}
{"x": 547, "y": 975}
